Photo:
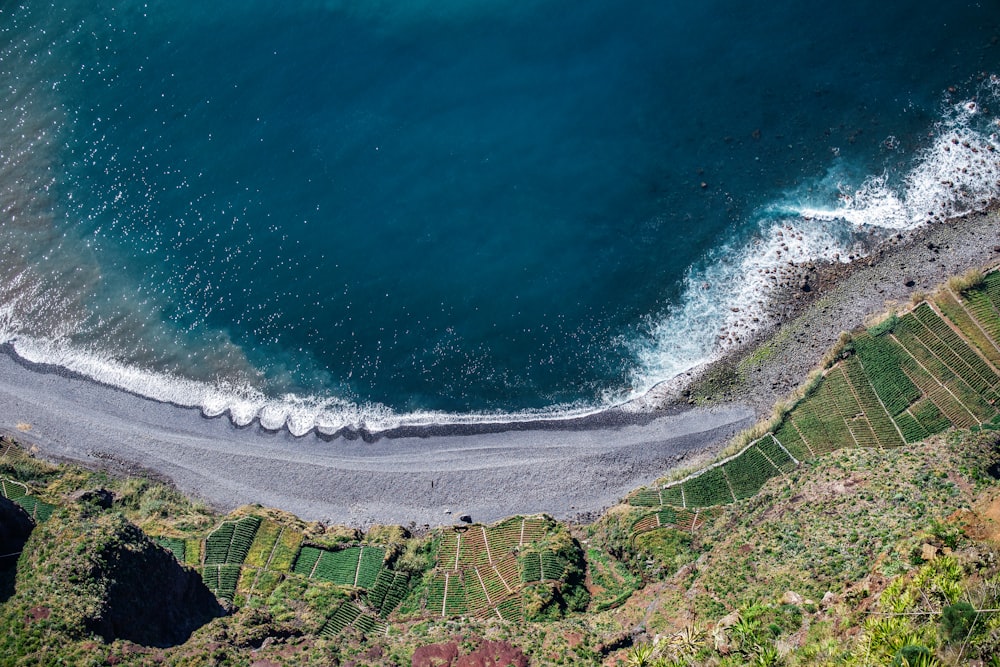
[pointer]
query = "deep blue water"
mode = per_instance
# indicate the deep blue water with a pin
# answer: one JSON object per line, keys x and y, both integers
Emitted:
{"x": 443, "y": 206}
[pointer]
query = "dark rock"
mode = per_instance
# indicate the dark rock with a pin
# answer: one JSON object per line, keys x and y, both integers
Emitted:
{"x": 15, "y": 528}
{"x": 113, "y": 581}
{"x": 910, "y": 282}
{"x": 100, "y": 497}
{"x": 466, "y": 518}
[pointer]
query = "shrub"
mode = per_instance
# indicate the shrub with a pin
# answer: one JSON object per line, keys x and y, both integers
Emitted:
{"x": 957, "y": 620}
{"x": 971, "y": 279}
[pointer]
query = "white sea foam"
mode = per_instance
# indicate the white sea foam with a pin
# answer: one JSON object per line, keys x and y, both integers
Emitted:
{"x": 245, "y": 405}
{"x": 724, "y": 302}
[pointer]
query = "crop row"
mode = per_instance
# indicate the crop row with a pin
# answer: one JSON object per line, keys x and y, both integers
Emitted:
{"x": 472, "y": 548}
{"x": 913, "y": 430}
{"x": 961, "y": 357}
{"x": 668, "y": 495}
{"x": 39, "y": 510}
{"x": 455, "y": 603}
{"x": 984, "y": 311}
{"x": 475, "y": 593}
{"x": 306, "y": 560}
{"x": 533, "y": 529}
{"x": 492, "y": 582}
{"x": 221, "y": 579}
{"x": 230, "y": 542}
{"x": 369, "y": 625}
{"x": 946, "y": 366}
{"x": 13, "y": 490}
{"x": 790, "y": 439}
{"x": 645, "y": 498}
{"x": 708, "y": 488}
{"x": 882, "y": 360}
{"x": 243, "y": 536}
{"x": 480, "y": 545}
{"x": 552, "y": 566}
{"x": 748, "y": 472}
{"x": 929, "y": 416}
{"x": 991, "y": 284}
{"x": 338, "y": 567}
{"x": 909, "y": 378}
{"x": 949, "y": 405}
{"x": 926, "y": 359}
{"x": 343, "y": 616}
{"x": 773, "y": 450}
{"x": 435, "y": 594}
{"x": 531, "y": 567}
{"x": 397, "y": 591}
{"x": 375, "y": 595}
{"x": 880, "y": 420}
{"x": 668, "y": 517}
{"x": 217, "y": 544}
{"x": 821, "y": 423}
{"x": 644, "y": 523}
{"x": 511, "y": 609}
{"x": 174, "y": 545}
{"x": 972, "y": 328}
{"x": 504, "y": 537}
{"x": 370, "y": 565}
{"x": 506, "y": 568}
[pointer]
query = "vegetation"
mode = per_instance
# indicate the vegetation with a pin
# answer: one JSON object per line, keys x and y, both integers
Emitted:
{"x": 859, "y": 526}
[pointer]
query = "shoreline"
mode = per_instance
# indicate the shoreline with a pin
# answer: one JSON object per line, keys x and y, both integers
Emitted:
{"x": 842, "y": 297}
{"x": 571, "y": 468}
{"x": 426, "y": 480}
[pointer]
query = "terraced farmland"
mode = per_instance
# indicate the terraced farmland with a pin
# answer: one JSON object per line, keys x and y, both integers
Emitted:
{"x": 910, "y": 377}
{"x": 345, "y": 580}
{"x": 225, "y": 550}
{"x": 481, "y": 570}
{"x": 37, "y": 509}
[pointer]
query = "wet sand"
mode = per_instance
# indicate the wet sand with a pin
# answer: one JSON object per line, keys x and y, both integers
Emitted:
{"x": 567, "y": 470}
{"x": 433, "y": 475}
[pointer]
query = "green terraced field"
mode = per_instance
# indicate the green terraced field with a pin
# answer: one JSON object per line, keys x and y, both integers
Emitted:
{"x": 912, "y": 376}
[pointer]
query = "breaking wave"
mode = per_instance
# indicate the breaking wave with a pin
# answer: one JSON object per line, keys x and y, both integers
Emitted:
{"x": 725, "y": 300}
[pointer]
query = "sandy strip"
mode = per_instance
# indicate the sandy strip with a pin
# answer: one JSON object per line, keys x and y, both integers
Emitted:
{"x": 566, "y": 472}
{"x": 568, "y": 469}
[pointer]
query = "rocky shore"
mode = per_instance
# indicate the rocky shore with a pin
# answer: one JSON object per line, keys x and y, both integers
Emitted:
{"x": 824, "y": 300}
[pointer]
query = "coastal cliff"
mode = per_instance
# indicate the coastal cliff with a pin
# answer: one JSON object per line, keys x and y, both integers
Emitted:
{"x": 861, "y": 520}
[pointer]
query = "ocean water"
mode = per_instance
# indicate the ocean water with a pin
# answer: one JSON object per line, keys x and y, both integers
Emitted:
{"x": 329, "y": 214}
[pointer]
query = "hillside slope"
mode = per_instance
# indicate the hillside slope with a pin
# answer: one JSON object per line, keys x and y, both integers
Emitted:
{"x": 858, "y": 526}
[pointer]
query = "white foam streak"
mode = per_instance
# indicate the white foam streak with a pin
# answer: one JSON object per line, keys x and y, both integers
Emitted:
{"x": 727, "y": 304}
{"x": 957, "y": 174}
{"x": 300, "y": 415}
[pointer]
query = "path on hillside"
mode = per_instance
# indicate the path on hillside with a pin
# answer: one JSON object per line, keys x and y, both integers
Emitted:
{"x": 393, "y": 480}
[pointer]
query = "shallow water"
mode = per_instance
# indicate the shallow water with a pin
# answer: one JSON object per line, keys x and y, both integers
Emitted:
{"x": 335, "y": 213}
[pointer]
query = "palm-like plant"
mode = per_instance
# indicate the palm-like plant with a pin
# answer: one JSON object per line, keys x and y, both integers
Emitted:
{"x": 640, "y": 654}
{"x": 688, "y": 641}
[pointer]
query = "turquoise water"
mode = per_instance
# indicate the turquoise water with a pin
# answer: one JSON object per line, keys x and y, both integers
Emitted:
{"x": 337, "y": 213}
